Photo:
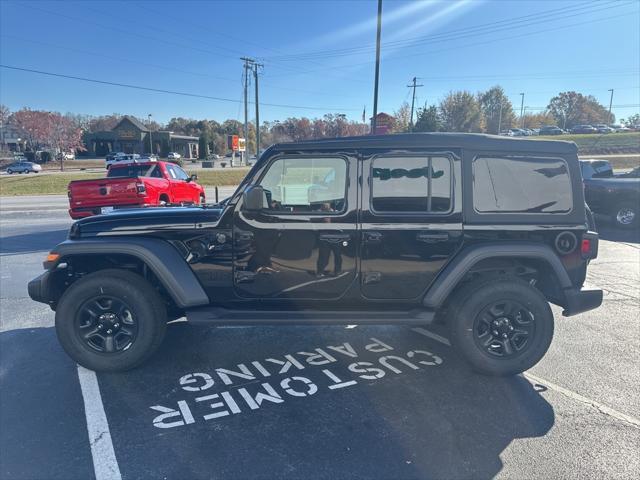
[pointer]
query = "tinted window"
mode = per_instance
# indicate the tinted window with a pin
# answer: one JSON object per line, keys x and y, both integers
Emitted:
{"x": 411, "y": 184}
{"x": 521, "y": 185}
{"x": 306, "y": 185}
{"x": 134, "y": 170}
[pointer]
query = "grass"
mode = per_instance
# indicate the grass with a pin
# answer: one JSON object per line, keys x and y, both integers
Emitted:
{"x": 594, "y": 144}
{"x": 51, "y": 184}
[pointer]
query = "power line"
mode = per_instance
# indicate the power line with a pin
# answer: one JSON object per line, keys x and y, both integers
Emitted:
{"x": 482, "y": 29}
{"x": 172, "y": 92}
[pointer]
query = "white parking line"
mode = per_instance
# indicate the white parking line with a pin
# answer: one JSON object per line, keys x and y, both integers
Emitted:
{"x": 105, "y": 464}
{"x": 551, "y": 386}
{"x": 434, "y": 336}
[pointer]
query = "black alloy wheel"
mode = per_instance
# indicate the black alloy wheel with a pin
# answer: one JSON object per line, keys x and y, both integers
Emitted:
{"x": 106, "y": 324}
{"x": 503, "y": 329}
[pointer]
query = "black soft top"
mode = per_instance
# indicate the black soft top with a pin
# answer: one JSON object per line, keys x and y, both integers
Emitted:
{"x": 472, "y": 141}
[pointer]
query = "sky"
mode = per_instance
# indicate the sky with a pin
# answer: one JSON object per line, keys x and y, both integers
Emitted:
{"x": 318, "y": 56}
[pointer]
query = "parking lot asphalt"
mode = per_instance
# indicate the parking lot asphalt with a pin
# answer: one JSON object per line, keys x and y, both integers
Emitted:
{"x": 316, "y": 402}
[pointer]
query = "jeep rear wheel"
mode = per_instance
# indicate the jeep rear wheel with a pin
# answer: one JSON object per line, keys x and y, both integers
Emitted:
{"x": 110, "y": 320}
{"x": 502, "y": 326}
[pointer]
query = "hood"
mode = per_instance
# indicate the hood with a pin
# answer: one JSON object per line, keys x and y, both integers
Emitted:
{"x": 138, "y": 221}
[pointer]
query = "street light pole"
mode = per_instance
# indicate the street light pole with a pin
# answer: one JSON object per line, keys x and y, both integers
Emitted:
{"x": 375, "y": 87}
{"x": 150, "y": 137}
{"x": 522, "y": 111}
{"x": 610, "y": 104}
{"x": 500, "y": 120}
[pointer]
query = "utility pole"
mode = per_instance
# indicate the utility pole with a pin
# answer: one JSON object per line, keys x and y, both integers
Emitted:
{"x": 500, "y": 120}
{"x": 375, "y": 87}
{"x": 247, "y": 63}
{"x": 413, "y": 99}
{"x": 150, "y": 138}
{"x": 522, "y": 111}
{"x": 610, "y": 104}
{"x": 255, "y": 78}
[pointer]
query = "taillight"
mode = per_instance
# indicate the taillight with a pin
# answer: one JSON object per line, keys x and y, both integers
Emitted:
{"x": 589, "y": 245}
{"x": 586, "y": 246}
{"x": 140, "y": 188}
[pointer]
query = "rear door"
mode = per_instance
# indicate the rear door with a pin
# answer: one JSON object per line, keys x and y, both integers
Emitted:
{"x": 303, "y": 243}
{"x": 411, "y": 221}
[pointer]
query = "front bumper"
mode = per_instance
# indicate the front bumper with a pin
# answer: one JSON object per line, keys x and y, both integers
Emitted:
{"x": 39, "y": 288}
{"x": 578, "y": 301}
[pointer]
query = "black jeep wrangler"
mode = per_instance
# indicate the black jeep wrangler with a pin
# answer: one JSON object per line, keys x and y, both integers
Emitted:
{"x": 477, "y": 231}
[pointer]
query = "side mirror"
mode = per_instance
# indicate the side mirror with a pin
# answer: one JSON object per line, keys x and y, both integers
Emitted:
{"x": 193, "y": 178}
{"x": 253, "y": 199}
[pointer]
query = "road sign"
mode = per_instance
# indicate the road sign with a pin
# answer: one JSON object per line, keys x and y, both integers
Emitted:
{"x": 242, "y": 144}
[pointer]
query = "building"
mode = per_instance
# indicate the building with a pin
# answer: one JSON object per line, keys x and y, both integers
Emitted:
{"x": 384, "y": 123}
{"x": 10, "y": 139}
{"x": 131, "y": 136}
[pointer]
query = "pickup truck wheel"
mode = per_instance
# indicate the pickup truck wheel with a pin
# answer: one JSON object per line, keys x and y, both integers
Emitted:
{"x": 502, "y": 326}
{"x": 163, "y": 200}
{"x": 9, "y": 171}
{"x": 110, "y": 320}
{"x": 626, "y": 215}
{"x": 202, "y": 200}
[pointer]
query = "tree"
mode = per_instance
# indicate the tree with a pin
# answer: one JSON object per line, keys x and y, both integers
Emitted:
{"x": 64, "y": 136}
{"x": 572, "y": 108}
{"x": 402, "y": 116}
{"x": 633, "y": 120}
{"x": 34, "y": 126}
{"x": 427, "y": 119}
{"x": 203, "y": 145}
{"x": 460, "y": 112}
{"x": 537, "y": 120}
{"x": 496, "y": 109}
{"x": 5, "y": 113}
{"x": 104, "y": 122}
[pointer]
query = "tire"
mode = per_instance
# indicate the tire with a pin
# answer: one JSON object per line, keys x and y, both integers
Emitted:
{"x": 163, "y": 200}
{"x": 202, "y": 200}
{"x": 9, "y": 171}
{"x": 482, "y": 308}
{"x": 144, "y": 314}
{"x": 626, "y": 215}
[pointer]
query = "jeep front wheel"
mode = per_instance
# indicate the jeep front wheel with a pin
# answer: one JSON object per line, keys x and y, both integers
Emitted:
{"x": 110, "y": 320}
{"x": 502, "y": 326}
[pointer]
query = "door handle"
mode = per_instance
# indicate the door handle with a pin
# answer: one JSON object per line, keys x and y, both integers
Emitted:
{"x": 372, "y": 237}
{"x": 335, "y": 237}
{"x": 434, "y": 237}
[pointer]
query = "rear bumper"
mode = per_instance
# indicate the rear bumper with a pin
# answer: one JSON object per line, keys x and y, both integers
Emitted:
{"x": 578, "y": 301}
{"x": 82, "y": 212}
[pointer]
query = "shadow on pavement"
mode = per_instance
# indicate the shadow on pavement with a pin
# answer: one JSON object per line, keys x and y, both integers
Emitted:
{"x": 32, "y": 242}
{"x": 608, "y": 231}
{"x": 432, "y": 421}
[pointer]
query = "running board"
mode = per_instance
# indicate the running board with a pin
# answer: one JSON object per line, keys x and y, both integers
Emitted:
{"x": 224, "y": 316}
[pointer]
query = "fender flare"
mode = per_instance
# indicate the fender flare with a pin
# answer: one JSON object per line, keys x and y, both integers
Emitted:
{"x": 159, "y": 256}
{"x": 457, "y": 268}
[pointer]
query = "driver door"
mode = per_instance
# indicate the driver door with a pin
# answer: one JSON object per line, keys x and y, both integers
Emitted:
{"x": 303, "y": 243}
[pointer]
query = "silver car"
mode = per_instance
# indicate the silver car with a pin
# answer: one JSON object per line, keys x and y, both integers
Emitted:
{"x": 24, "y": 167}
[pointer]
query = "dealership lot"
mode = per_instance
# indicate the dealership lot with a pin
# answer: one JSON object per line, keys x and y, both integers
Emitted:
{"x": 315, "y": 402}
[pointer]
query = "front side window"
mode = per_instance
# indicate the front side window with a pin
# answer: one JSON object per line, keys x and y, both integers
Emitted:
{"x": 306, "y": 185}
{"x": 521, "y": 185}
{"x": 411, "y": 184}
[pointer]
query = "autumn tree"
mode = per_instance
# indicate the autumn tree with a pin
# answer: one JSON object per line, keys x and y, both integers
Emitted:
{"x": 403, "y": 118}
{"x": 64, "y": 136}
{"x": 537, "y": 120}
{"x": 427, "y": 120}
{"x": 34, "y": 126}
{"x": 104, "y": 122}
{"x": 460, "y": 112}
{"x": 572, "y": 108}
{"x": 497, "y": 110}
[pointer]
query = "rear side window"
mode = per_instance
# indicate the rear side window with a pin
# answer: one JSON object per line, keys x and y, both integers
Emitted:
{"x": 411, "y": 184}
{"x": 521, "y": 185}
{"x": 134, "y": 170}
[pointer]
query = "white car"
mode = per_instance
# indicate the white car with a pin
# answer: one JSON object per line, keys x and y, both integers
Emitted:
{"x": 174, "y": 156}
{"x": 123, "y": 158}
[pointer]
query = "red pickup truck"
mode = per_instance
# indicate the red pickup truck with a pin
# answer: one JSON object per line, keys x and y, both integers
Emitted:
{"x": 134, "y": 185}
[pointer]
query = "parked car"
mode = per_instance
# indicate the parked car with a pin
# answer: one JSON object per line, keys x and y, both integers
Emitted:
{"x": 595, "y": 169}
{"x": 484, "y": 231}
{"x": 635, "y": 173}
{"x": 602, "y": 128}
{"x": 123, "y": 159}
{"x": 517, "y": 132}
{"x": 550, "y": 130}
{"x": 584, "y": 129}
{"x": 23, "y": 167}
{"x": 617, "y": 197}
{"x": 174, "y": 156}
{"x": 131, "y": 185}
{"x": 620, "y": 128}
